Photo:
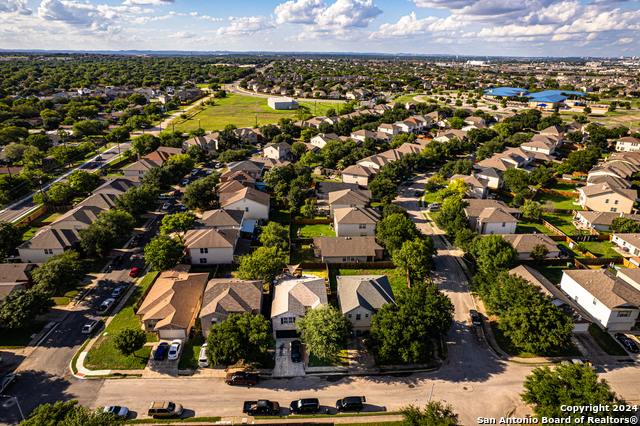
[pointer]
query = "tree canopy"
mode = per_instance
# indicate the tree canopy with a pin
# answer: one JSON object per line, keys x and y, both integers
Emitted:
{"x": 59, "y": 273}
{"x": 242, "y": 336}
{"x": 69, "y": 414}
{"x": 394, "y": 230}
{"x": 163, "y": 252}
{"x": 263, "y": 263}
{"x": 416, "y": 257}
{"x": 21, "y": 307}
{"x": 200, "y": 193}
{"x": 324, "y": 331}
{"x": 129, "y": 340}
{"x": 275, "y": 235}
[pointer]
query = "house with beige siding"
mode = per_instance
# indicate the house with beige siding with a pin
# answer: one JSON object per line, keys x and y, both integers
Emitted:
{"x": 46, "y": 243}
{"x": 214, "y": 246}
{"x": 525, "y": 243}
{"x": 254, "y": 203}
{"x": 361, "y": 296}
{"x": 601, "y": 221}
{"x": 292, "y": 297}
{"x": 358, "y": 174}
{"x": 478, "y": 187}
{"x": 347, "y": 249}
{"x": 349, "y": 198}
{"x": 277, "y": 151}
{"x": 355, "y": 222}
{"x": 627, "y": 242}
{"x": 491, "y": 217}
{"x": 628, "y": 144}
{"x": 605, "y": 198}
{"x": 224, "y": 296}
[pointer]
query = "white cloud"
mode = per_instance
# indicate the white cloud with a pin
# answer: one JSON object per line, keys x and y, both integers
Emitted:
{"x": 15, "y": 6}
{"x": 246, "y": 25}
{"x": 183, "y": 34}
{"x": 516, "y": 31}
{"x": 144, "y": 19}
{"x": 194, "y": 13}
{"x": 410, "y": 25}
{"x": 625, "y": 40}
{"x": 444, "y": 4}
{"x": 341, "y": 14}
{"x": 148, "y": 2}
{"x": 80, "y": 15}
{"x": 205, "y": 17}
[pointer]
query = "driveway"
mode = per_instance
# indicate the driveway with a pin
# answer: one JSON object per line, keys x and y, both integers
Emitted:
{"x": 284, "y": 367}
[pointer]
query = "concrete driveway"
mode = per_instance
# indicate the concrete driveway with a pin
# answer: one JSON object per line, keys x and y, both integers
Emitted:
{"x": 284, "y": 367}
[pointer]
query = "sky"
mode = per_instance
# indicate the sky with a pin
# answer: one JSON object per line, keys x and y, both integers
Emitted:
{"x": 557, "y": 28}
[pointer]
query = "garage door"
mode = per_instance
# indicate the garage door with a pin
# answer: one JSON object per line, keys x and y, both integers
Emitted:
{"x": 581, "y": 328}
{"x": 619, "y": 326}
{"x": 172, "y": 334}
{"x": 286, "y": 334}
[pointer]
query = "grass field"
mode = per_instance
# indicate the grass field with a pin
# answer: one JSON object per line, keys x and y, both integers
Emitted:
{"x": 29, "y": 232}
{"x": 311, "y": 231}
{"x": 561, "y": 186}
{"x": 49, "y": 217}
{"x": 561, "y": 221}
{"x": 191, "y": 352}
{"x": 19, "y": 337}
{"x": 531, "y": 227}
{"x": 242, "y": 111}
{"x": 341, "y": 360}
{"x": 103, "y": 354}
{"x": 397, "y": 279}
{"x": 407, "y": 98}
{"x": 559, "y": 201}
{"x": 602, "y": 249}
{"x": 606, "y": 341}
{"x": 67, "y": 298}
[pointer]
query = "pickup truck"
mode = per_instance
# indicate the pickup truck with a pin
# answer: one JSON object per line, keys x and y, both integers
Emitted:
{"x": 262, "y": 406}
{"x": 241, "y": 378}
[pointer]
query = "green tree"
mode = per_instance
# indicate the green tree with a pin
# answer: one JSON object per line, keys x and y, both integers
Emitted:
{"x": 494, "y": 253}
{"x": 138, "y": 146}
{"x": 575, "y": 137}
{"x": 129, "y": 340}
{"x": 12, "y": 134}
{"x": 242, "y": 336}
{"x": 542, "y": 174}
{"x": 69, "y": 414}
{"x": 587, "y": 110}
{"x": 295, "y": 198}
{"x": 416, "y": 257}
{"x": 137, "y": 201}
{"x": 625, "y": 225}
{"x": 83, "y": 181}
{"x": 539, "y": 252}
{"x": 275, "y": 235}
{"x": 20, "y": 308}
{"x": 324, "y": 331}
{"x": 569, "y": 384}
{"x": 10, "y": 238}
{"x": 159, "y": 177}
{"x": 163, "y": 252}
{"x": 200, "y": 194}
{"x": 87, "y": 128}
{"x": 434, "y": 414}
{"x": 456, "y": 123}
{"x": 196, "y": 153}
{"x": 383, "y": 188}
{"x": 263, "y": 262}
{"x": 298, "y": 149}
{"x": 14, "y": 152}
{"x": 60, "y": 193}
{"x": 516, "y": 179}
{"x": 59, "y": 272}
{"x": 531, "y": 210}
{"x": 105, "y": 233}
{"x": 452, "y": 217}
{"x": 177, "y": 222}
{"x": 118, "y": 135}
{"x": 394, "y": 230}
{"x": 233, "y": 155}
{"x": 404, "y": 331}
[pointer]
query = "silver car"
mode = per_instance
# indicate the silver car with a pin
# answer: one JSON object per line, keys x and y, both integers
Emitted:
{"x": 90, "y": 326}
{"x": 117, "y": 411}
{"x": 174, "y": 349}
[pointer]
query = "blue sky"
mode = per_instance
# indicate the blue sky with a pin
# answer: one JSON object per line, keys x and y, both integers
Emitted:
{"x": 465, "y": 27}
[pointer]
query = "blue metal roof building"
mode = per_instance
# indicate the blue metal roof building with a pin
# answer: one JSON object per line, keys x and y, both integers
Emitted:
{"x": 544, "y": 96}
{"x": 507, "y": 91}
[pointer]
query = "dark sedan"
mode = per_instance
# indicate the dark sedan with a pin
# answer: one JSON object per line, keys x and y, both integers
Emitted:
{"x": 307, "y": 405}
{"x": 296, "y": 351}
{"x": 161, "y": 351}
{"x": 627, "y": 342}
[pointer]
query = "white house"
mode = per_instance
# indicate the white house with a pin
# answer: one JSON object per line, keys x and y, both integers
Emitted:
{"x": 478, "y": 188}
{"x": 355, "y": 222}
{"x": 291, "y": 299}
{"x": 358, "y": 174}
{"x": 254, "y": 203}
{"x": 628, "y": 242}
{"x": 211, "y": 246}
{"x": 46, "y": 243}
{"x": 277, "y": 151}
{"x": 628, "y": 143}
{"x": 282, "y": 103}
{"x": 360, "y": 296}
{"x": 611, "y": 301}
{"x": 348, "y": 198}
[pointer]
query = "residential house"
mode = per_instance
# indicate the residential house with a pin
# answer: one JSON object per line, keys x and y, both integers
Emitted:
{"x": 415, "y": 147}
{"x": 187, "y": 94}
{"x": 46, "y": 243}
{"x": 539, "y": 146}
{"x": 322, "y": 139}
{"x": 628, "y": 242}
{"x": 491, "y": 175}
{"x": 244, "y": 178}
{"x": 323, "y": 189}
{"x": 491, "y": 217}
{"x": 406, "y": 126}
{"x": 358, "y": 174}
{"x": 202, "y": 142}
{"x": 349, "y": 198}
{"x": 475, "y": 120}
{"x": 215, "y": 246}
{"x": 220, "y": 219}
{"x": 140, "y": 168}
{"x": 601, "y": 221}
{"x": 234, "y": 186}
{"x": 555, "y": 130}
{"x": 579, "y": 318}
{"x": 478, "y": 187}
{"x": 390, "y": 129}
{"x": 525, "y": 243}
{"x": 376, "y": 161}
{"x": 347, "y": 249}
{"x": 361, "y": 135}
{"x": 172, "y": 304}
{"x": 80, "y": 217}
{"x": 603, "y": 198}
{"x": 268, "y": 163}
{"x": 361, "y": 296}
{"x": 292, "y": 297}
{"x": 628, "y": 144}
{"x": 611, "y": 301}
{"x": 612, "y": 181}
{"x": 277, "y": 151}
{"x": 254, "y": 203}
{"x": 510, "y": 157}
{"x": 15, "y": 276}
{"x": 254, "y": 169}
{"x": 355, "y": 222}
{"x": 116, "y": 186}
{"x": 224, "y": 296}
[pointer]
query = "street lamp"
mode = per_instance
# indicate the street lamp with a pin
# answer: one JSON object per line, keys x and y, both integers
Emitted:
{"x": 432, "y": 385}
{"x": 18, "y": 404}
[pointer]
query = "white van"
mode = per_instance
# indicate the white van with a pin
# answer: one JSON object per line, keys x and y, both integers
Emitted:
{"x": 202, "y": 359}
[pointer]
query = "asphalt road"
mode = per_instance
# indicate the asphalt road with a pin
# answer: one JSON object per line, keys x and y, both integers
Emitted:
{"x": 21, "y": 208}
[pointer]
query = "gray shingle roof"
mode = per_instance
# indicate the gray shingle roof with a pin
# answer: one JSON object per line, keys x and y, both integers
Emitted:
{"x": 356, "y": 215}
{"x": 47, "y": 238}
{"x": 220, "y": 218}
{"x": 348, "y": 196}
{"x": 346, "y": 246}
{"x": 608, "y": 289}
{"x": 524, "y": 243}
{"x": 369, "y": 291}
{"x": 226, "y": 296}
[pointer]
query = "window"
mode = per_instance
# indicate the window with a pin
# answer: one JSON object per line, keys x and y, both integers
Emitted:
{"x": 140, "y": 172}
{"x": 615, "y": 202}
{"x": 362, "y": 226}
{"x": 358, "y": 317}
{"x": 48, "y": 251}
{"x": 348, "y": 259}
{"x": 504, "y": 224}
{"x": 215, "y": 321}
{"x": 349, "y": 315}
{"x": 636, "y": 252}
{"x": 151, "y": 324}
{"x": 595, "y": 301}
{"x": 203, "y": 260}
{"x": 624, "y": 314}
{"x": 204, "y": 250}
{"x": 606, "y": 201}
{"x": 576, "y": 298}
{"x": 287, "y": 320}
{"x": 614, "y": 209}
{"x": 246, "y": 209}
{"x": 366, "y": 315}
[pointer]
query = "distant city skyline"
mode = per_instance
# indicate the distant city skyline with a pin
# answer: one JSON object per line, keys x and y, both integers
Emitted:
{"x": 556, "y": 28}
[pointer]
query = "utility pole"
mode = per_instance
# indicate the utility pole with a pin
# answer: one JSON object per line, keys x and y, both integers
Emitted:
{"x": 18, "y": 404}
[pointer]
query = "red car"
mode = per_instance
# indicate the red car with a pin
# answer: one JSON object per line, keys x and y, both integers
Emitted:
{"x": 134, "y": 272}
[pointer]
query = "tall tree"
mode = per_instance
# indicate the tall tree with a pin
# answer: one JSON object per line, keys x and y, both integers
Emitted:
{"x": 275, "y": 235}
{"x": 452, "y": 217}
{"x": 59, "y": 272}
{"x": 178, "y": 222}
{"x": 20, "y": 308}
{"x": 625, "y": 225}
{"x": 416, "y": 257}
{"x": 137, "y": 201}
{"x": 129, "y": 340}
{"x": 10, "y": 238}
{"x": 394, "y": 230}
{"x": 69, "y": 414}
{"x": 324, "y": 331}
{"x": 83, "y": 181}
{"x": 163, "y": 252}
{"x": 242, "y": 336}
{"x": 434, "y": 414}
{"x": 531, "y": 210}
{"x": 263, "y": 263}
{"x": 200, "y": 194}
{"x": 494, "y": 253}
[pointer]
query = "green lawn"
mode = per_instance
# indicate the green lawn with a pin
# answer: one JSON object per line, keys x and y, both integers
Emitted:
{"x": 507, "y": 345}
{"x": 561, "y": 221}
{"x": 602, "y": 249}
{"x": 341, "y": 360}
{"x": 104, "y": 355}
{"x": 67, "y": 298}
{"x": 406, "y": 98}
{"x": 49, "y": 217}
{"x": 398, "y": 280}
{"x": 559, "y": 201}
{"x": 531, "y": 227}
{"x": 561, "y": 186}
{"x": 572, "y": 253}
{"x": 606, "y": 341}
{"x": 302, "y": 254}
{"x": 322, "y": 273}
{"x": 191, "y": 352}
{"x": 19, "y": 337}
{"x": 429, "y": 197}
{"x": 242, "y": 110}
{"x": 553, "y": 273}
{"x": 311, "y": 231}
{"x": 29, "y": 233}
{"x": 280, "y": 213}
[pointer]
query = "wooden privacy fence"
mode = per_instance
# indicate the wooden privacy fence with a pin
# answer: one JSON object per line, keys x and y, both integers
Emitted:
{"x": 311, "y": 221}
{"x": 563, "y": 211}
{"x": 563, "y": 193}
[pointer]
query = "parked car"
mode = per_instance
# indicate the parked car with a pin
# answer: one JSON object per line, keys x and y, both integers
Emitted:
{"x": 139, "y": 237}
{"x": 117, "y": 261}
{"x": 161, "y": 351}
{"x": 174, "y": 349}
{"x": 296, "y": 351}
{"x": 105, "y": 306}
{"x": 202, "y": 358}
{"x": 117, "y": 292}
{"x": 135, "y": 271}
{"x": 308, "y": 405}
{"x": 164, "y": 197}
{"x": 134, "y": 243}
{"x": 90, "y": 326}
{"x": 475, "y": 317}
{"x": 262, "y": 406}
{"x": 418, "y": 194}
{"x": 6, "y": 381}
{"x": 208, "y": 172}
{"x": 166, "y": 206}
{"x": 183, "y": 208}
{"x": 628, "y": 344}
{"x": 242, "y": 378}
{"x": 117, "y": 411}
{"x": 185, "y": 181}
{"x": 351, "y": 403}
{"x": 164, "y": 409}
{"x": 194, "y": 172}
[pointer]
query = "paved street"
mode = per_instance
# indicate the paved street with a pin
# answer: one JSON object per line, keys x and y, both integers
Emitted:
{"x": 20, "y": 208}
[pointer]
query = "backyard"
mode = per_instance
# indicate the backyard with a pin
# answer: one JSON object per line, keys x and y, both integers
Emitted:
{"x": 279, "y": 213}
{"x": 397, "y": 279}
{"x": 602, "y": 249}
{"x": 562, "y": 221}
{"x": 103, "y": 354}
{"x": 553, "y": 273}
{"x": 559, "y": 201}
{"x": 302, "y": 254}
{"x": 533, "y": 227}
{"x": 311, "y": 231}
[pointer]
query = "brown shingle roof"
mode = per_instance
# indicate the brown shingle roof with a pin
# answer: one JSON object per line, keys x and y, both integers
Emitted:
{"x": 219, "y": 218}
{"x": 295, "y": 295}
{"x": 47, "y": 238}
{"x": 225, "y": 296}
{"x": 347, "y": 246}
{"x": 605, "y": 287}
{"x": 248, "y": 193}
{"x": 350, "y": 196}
{"x": 524, "y": 243}
{"x": 211, "y": 238}
{"x": 355, "y": 215}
